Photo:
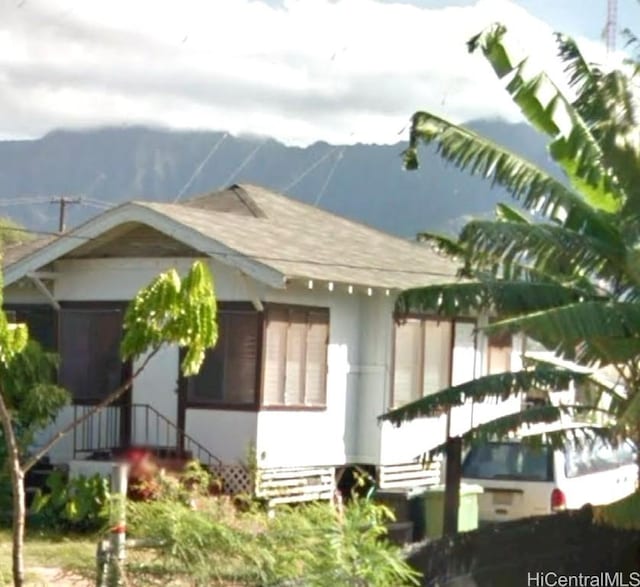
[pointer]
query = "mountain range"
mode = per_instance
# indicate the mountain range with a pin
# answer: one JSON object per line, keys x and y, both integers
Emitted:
{"x": 364, "y": 182}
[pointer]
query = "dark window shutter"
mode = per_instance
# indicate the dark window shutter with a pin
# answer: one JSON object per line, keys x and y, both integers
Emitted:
{"x": 90, "y": 364}
{"x": 40, "y": 320}
{"x": 228, "y": 372}
{"x": 241, "y": 358}
{"x": 206, "y": 386}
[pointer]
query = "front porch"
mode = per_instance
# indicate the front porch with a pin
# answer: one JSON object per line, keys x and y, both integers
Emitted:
{"x": 116, "y": 432}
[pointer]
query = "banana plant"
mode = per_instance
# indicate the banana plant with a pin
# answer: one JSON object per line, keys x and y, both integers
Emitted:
{"x": 560, "y": 264}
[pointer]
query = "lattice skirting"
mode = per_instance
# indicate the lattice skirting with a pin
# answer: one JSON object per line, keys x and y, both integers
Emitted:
{"x": 237, "y": 479}
{"x": 408, "y": 475}
{"x": 279, "y": 485}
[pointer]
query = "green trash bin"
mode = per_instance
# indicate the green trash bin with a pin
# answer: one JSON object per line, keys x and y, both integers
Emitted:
{"x": 434, "y": 509}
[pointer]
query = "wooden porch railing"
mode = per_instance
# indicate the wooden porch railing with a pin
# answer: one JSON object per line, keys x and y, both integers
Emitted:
{"x": 116, "y": 428}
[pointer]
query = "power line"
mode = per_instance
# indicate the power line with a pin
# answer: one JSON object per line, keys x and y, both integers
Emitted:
{"x": 200, "y": 167}
{"x": 242, "y": 165}
{"x": 325, "y": 185}
{"x": 260, "y": 257}
{"x": 309, "y": 169}
{"x": 26, "y": 200}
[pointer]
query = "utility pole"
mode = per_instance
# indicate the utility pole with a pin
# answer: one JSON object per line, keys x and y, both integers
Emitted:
{"x": 611, "y": 26}
{"x": 62, "y": 201}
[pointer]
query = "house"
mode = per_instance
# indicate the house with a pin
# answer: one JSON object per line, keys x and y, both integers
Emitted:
{"x": 309, "y": 355}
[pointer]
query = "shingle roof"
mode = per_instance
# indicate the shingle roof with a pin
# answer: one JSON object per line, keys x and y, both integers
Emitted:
{"x": 295, "y": 239}
{"x": 302, "y": 241}
{"x": 14, "y": 253}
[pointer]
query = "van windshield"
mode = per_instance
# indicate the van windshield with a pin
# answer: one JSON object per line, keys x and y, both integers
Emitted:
{"x": 509, "y": 461}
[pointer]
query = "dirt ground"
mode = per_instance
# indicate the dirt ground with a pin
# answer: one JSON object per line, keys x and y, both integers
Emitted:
{"x": 52, "y": 576}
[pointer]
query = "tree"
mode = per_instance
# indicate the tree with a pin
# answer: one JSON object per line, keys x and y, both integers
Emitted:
{"x": 12, "y": 233}
{"x": 170, "y": 310}
{"x": 562, "y": 268}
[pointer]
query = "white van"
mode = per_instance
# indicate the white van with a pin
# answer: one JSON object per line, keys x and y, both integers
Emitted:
{"x": 520, "y": 480}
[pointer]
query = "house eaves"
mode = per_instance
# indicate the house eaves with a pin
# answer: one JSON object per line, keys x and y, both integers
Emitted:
{"x": 134, "y": 212}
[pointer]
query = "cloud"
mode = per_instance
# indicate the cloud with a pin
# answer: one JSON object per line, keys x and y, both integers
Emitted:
{"x": 300, "y": 71}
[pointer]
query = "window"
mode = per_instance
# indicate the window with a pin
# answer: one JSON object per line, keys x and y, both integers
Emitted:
{"x": 89, "y": 347}
{"x": 40, "y": 320}
{"x": 422, "y": 358}
{"x": 499, "y": 353}
{"x": 295, "y": 357}
{"x": 593, "y": 455}
{"x": 509, "y": 460}
{"x": 229, "y": 373}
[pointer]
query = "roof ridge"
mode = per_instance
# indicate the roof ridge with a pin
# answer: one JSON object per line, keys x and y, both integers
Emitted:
{"x": 329, "y": 213}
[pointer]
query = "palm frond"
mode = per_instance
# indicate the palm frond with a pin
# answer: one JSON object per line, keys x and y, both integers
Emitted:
{"x": 443, "y": 244}
{"x": 582, "y": 76}
{"x": 607, "y": 104}
{"x": 510, "y": 214}
{"x": 535, "y": 189}
{"x": 505, "y": 426}
{"x": 551, "y": 249}
{"x": 607, "y": 350}
{"x": 500, "y": 296}
{"x": 500, "y": 386}
{"x": 574, "y": 147}
{"x": 589, "y": 332}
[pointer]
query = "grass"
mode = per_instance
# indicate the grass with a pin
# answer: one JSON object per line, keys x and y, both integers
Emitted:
{"x": 70, "y": 554}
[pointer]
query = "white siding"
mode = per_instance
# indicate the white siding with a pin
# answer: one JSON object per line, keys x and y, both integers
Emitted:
{"x": 156, "y": 386}
{"x": 23, "y": 292}
{"x": 467, "y": 364}
{"x": 324, "y": 437}
{"x": 411, "y": 439}
{"x": 226, "y": 434}
{"x": 121, "y": 279}
{"x": 358, "y": 382}
{"x": 281, "y": 437}
{"x": 62, "y": 452}
{"x": 376, "y": 331}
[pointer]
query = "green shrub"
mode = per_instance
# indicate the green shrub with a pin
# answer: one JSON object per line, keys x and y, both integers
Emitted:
{"x": 79, "y": 504}
{"x": 313, "y": 545}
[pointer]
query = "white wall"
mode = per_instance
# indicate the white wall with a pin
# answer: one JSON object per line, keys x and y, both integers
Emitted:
{"x": 121, "y": 279}
{"x": 322, "y": 437}
{"x": 358, "y": 383}
{"x": 156, "y": 386}
{"x": 62, "y": 452}
{"x": 227, "y": 434}
{"x": 376, "y": 328}
{"x": 281, "y": 437}
{"x": 466, "y": 365}
{"x": 491, "y": 409}
{"x": 404, "y": 443}
{"x": 23, "y": 292}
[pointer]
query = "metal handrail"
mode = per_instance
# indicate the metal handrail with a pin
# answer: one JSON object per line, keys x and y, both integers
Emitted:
{"x": 102, "y": 432}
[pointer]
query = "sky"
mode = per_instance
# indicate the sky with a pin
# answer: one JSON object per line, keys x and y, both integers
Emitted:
{"x": 342, "y": 71}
